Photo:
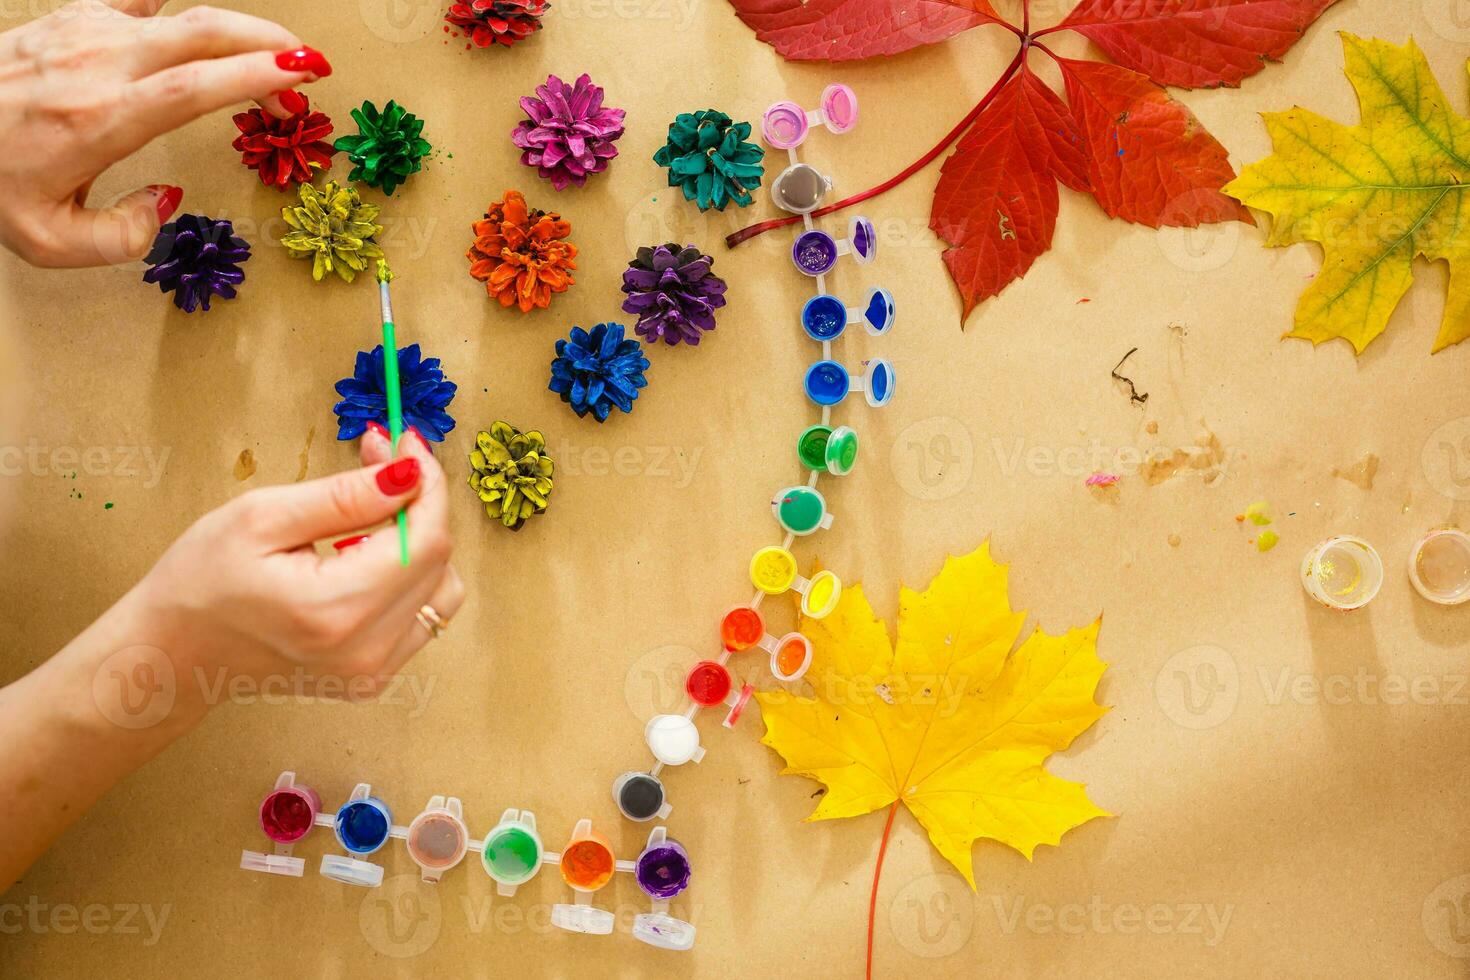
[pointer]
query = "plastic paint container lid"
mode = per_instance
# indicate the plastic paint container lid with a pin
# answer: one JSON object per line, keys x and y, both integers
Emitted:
{"x": 878, "y": 382}
{"x": 811, "y": 446}
{"x": 587, "y": 863}
{"x": 746, "y": 690}
{"x": 708, "y": 683}
{"x": 640, "y": 796}
{"x": 792, "y": 656}
{"x": 1439, "y": 566}
{"x": 822, "y": 595}
{"x": 512, "y": 853}
{"x": 673, "y": 739}
{"x": 823, "y": 317}
{"x": 801, "y": 510}
{"x": 437, "y": 838}
{"x": 862, "y": 239}
{"x": 350, "y": 871}
{"x": 814, "y": 252}
{"x": 289, "y": 812}
{"x": 839, "y": 108}
{"x": 841, "y": 453}
{"x": 742, "y": 627}
{"x": 879, "y": 311}
{"x": 663, "y": 930}
{"x": 826, "y": 382}
{"x": 773, "y": 569}
{"x": 784, "y": 125}
{"x": 662, "y": 869}
{"x": 362, "y": 826}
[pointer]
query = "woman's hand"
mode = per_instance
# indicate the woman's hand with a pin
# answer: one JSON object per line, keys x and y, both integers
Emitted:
{"x": 85, "y": 86}
{"x": 243, "y": 592}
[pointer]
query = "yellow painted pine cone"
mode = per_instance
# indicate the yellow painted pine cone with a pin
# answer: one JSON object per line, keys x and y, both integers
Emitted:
{"x": 511, "y": 472}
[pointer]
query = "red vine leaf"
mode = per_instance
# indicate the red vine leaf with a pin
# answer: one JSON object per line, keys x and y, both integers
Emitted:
{"x": 1149, "y": 159}
{"x": 845, "y": 30}
{"x": 996, "y": 203}
{"x": 1194, "y": 43}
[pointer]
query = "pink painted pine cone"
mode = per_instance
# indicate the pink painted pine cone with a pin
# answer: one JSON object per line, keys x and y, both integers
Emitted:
{"x": 569, "y": 134}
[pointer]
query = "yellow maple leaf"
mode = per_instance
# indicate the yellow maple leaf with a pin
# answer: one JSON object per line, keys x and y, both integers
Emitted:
{"x": 1374, "y": 196}
{"x": 949, "y": 721}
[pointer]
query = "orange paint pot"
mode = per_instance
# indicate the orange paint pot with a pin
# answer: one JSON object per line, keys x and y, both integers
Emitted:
{"x": 587, "y": 862}
{"x": 741, "y": 629}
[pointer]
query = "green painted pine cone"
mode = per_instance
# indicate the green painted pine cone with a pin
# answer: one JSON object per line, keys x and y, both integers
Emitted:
{"x": 711, "y": 159}
{"x": 388, "y": 147}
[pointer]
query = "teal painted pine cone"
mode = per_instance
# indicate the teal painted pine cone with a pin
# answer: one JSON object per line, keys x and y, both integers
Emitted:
{"x": 711, "y": 159}
{"x": 388, "y": 147}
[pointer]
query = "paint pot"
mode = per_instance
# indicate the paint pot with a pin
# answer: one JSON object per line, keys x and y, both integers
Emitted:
{"x": 799, "y": 188}
{"x": 823, "y": 318}
{"x": 673, "y": 739}
{"x": 708, "y": 683}
{"x": 362, "y": 825}
{"x": 773, "y": 569}
{"x": 513, "y": 850}
{"x": 437, "y": 838}
{"x": 289, "y": 811}
{"x": 640, "y": 796}
{"x": 821, "y": 594}
{"x": 1439, "y": 566}
{"x": 1343, "y": 572}
{"x": 587, "y": 862}
{"x": 791, "y": 657}
{"x": 742, "y": 628}
{"x": 826, "y": 383}
{"x": 662, "y": 869}
{"x": 811, "y": 446}
{"x": 814, "y": 252}
{"x": 784, "y": 125}
{"x": 801, "y": 510}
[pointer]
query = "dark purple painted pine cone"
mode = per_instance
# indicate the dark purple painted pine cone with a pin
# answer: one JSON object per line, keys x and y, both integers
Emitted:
{"x": 196, "y": 257}
{"x": 673, "y": 293}
{"x": 570, "y": 133}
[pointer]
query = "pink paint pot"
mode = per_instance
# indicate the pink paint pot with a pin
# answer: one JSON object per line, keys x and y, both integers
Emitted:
{"x": 289, "y": 812}
{"x": 437, "y": 839}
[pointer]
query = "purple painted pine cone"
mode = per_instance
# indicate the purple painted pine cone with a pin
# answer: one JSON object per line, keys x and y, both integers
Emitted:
{"x": 569, "y": 134}
{"x": 673, "y": 292}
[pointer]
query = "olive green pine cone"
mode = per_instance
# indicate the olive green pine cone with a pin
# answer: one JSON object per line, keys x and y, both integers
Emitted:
{"x": 334, "y": 229}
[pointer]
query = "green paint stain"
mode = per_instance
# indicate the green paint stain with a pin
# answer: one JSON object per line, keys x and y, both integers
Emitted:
{"x": 512, "y": 855}
{"x": 107, "y": 506}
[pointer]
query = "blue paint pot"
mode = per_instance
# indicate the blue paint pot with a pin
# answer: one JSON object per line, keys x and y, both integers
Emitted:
{"x": 362, "y": 825}
{"x": 824, "y": 318}
{"x": 826, "y": 382}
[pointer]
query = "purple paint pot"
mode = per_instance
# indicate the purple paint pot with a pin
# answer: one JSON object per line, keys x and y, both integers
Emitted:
{"x": 663, "y": 869}
{"x": 814, "y": 252}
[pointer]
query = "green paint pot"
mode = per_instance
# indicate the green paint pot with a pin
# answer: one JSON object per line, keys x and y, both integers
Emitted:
{"x": 801, "y": 510}
{"x": 512, "y": 854}
{"x": 811, "y": 446}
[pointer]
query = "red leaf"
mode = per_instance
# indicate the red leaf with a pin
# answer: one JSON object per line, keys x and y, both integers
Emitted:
{"x": 1194, "y": 43}
{"x": 1149, "y": 159}
{"x": 996, "y": 203}
{"x": 844, "y": 30}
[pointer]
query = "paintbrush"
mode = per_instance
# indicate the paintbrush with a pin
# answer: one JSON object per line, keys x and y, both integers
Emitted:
{"x": 392, "y": 389}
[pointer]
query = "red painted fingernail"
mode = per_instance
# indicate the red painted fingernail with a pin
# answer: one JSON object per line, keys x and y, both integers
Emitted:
{"x": 292, "y": 102}
{"x": 422, "y": 441}
{"x": 346, "y": 543}
{"x": 379, "y": 430}
{"x": 399, "y": 477}
{"x": 168, "y": 198}
{"x": 304, "y": 59}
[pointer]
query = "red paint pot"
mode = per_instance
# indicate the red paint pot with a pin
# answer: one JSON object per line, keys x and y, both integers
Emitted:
{"x": 289, "y": 812}
{"x": 708, "y": 683}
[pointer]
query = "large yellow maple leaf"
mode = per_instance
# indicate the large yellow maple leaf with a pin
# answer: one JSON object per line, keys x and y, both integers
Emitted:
{"x": 1374, "y": 196}
{"x": 949, "y": 721}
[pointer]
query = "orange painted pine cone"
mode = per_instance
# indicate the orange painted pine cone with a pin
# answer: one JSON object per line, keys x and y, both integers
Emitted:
{"x": 521, "y": 254}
